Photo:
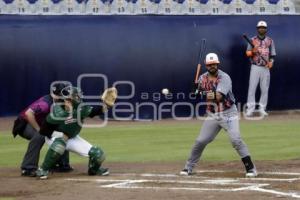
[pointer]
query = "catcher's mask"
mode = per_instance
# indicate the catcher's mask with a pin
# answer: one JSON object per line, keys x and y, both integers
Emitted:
{"x": 56, "y": 88}
{"x": 72, "y": 93}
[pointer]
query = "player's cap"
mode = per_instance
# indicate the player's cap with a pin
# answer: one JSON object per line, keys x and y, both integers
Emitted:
{"x": 261, "y": 24}
{"x": 211, "y": 58}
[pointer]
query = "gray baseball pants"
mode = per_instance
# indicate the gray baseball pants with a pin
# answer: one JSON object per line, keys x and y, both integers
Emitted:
{"x": 210, "y": 129}
{"x": 259, "y": 75}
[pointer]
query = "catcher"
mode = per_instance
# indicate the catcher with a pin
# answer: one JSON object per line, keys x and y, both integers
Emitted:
{"x": 62, "y": 130}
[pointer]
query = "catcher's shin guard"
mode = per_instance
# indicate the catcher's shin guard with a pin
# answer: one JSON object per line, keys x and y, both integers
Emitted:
{"x": 55, "y": 151}
{"x": 96, "y": 158}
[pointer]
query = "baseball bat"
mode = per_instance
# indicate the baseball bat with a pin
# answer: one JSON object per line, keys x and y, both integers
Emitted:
{"x": 248, "y": 40}
{"x": 200, "y": 57}
{"x": 252, "y": 45}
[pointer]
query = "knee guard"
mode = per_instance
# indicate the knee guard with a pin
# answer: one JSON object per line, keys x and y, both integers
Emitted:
{"x": 54, "y": 152}
{"x": 58, "y": 146}
{"x": 96, "y": 157}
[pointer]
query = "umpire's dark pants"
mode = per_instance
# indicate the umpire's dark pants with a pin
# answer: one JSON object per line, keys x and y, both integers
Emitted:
{"x": 32, "y": 155}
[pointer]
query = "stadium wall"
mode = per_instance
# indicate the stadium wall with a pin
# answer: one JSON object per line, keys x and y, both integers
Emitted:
{"x": 153, "y": 52}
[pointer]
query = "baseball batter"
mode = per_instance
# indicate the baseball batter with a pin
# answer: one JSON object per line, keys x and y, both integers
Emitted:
{"x": 222, "y": 113}
{"x": 262, "y": 60}
{"x": 64, "y": 127}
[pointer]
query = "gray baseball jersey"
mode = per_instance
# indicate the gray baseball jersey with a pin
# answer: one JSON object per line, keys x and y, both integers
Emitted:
{"x": 223, "y": 85}
{"x": 265, "y": 48}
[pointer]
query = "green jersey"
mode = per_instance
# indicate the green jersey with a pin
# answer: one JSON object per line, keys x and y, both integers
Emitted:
{"x": 68, "y": 122}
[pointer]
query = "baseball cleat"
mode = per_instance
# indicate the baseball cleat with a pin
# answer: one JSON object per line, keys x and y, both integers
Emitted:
{"x": 100, "y": 172}
{"x": 42, "y": 174}
{"x": 28, "y": 172}
{"x": 103, "y": 172}
{"x": 249, "y": 113}
{"x": 186, "y": 172}
{"x": 263, "y": 112}
{"x": 252, "y": 173}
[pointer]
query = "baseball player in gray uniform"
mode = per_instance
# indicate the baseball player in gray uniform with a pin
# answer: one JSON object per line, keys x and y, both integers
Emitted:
{"x": 262, "y": 59}
{"x": 222, "y": 113}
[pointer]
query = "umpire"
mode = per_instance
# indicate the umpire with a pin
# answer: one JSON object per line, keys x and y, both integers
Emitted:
{"x": 28, "y": 124}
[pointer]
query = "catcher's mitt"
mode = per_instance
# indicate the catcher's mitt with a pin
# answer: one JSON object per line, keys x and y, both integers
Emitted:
{"x": 109, "y": 96}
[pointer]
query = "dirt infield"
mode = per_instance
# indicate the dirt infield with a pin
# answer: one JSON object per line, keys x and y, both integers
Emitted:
{"x": 148, "y": 181}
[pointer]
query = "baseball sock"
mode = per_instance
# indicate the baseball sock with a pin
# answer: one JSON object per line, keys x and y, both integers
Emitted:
{"x": 248, "y": 163}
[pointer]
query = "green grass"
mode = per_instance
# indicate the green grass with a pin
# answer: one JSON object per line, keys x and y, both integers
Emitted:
{"x": 7, "y": 198}
{"x": 267, "y": 140}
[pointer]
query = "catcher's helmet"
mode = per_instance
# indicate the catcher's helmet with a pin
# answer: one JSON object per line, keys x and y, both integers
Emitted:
{"x": 56, "y": 88}
{"x": 72, "y": 93}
